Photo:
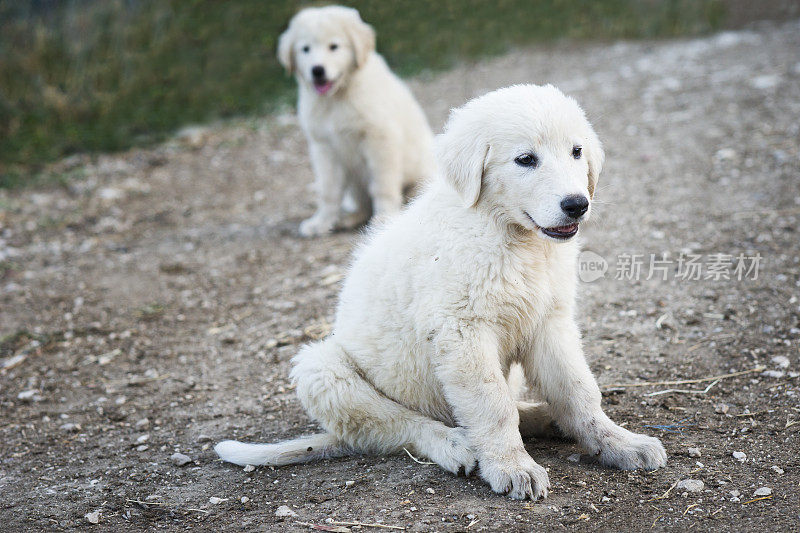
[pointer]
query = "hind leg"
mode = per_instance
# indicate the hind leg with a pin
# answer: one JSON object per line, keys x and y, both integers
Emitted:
{"x": 535, "y": 420}
{"x": 338, "y": 396}
{"x": 356, "y": 205}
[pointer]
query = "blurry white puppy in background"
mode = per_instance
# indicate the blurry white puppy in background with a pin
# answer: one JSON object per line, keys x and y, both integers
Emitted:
{"x": 367, "y": 136}
{"x": 478, "y": 274}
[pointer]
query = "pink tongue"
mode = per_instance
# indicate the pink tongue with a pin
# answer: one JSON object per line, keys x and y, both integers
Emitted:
{"x": 323, "y": 88}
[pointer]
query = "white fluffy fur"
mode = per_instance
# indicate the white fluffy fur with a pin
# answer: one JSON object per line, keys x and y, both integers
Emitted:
{"x": 446, "y": 297}
{"x": 368, "y": 138}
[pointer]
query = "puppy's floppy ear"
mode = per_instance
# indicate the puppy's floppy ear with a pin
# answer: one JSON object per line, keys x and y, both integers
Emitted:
{"x": 595, "y": 158}
{"x": 463, "y": 155}
{"x": 361, "y": 35}
{"x": 285, "y": 52}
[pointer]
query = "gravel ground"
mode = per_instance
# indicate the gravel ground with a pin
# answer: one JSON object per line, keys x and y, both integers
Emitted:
{"x": 152, "y": 304}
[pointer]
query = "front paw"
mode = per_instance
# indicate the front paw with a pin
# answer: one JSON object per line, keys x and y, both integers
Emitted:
{"x": 316, "y": 225}
{"x": 517, "y": 475}
{"x": 452, "y": 451}
{"x": 629, "y": 451}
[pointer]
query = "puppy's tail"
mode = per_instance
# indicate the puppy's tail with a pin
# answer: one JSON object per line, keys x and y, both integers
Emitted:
{"x": 302, "y": 450}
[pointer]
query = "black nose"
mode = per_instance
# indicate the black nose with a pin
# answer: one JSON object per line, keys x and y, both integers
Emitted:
{"x": 575, "y": 206}
{"x": 318, "y": 71}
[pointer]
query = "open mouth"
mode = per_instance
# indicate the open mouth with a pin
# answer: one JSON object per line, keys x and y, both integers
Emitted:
{"x": 561, "y": 232}
{"x": 323, "y": 86}
{"x": 558, "y": 232}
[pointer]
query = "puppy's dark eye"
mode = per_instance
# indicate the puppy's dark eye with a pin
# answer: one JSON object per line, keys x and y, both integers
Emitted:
{"x": 527, "y": 160}
{"x": 577, "y": 151}
{"x": 306, "y": 49}
{"x": 333, "y": 46}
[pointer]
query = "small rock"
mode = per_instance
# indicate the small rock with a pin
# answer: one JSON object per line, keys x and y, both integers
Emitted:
{"x": 143, "y": 438}
{"x": 575, "y": 458}
{"x": 778, "y": 470}
{"x": 690, "y": 485}
{"x": 735, "y": 493}
{"x": 349, "y": 483}
{"x": 248, "y": 468}
{"x": 430, "y": 491}
{"x": 694, "y": 452}
{"x": 142, "y": 448}
{"x": 193, "y": 136}
{"x": 740, "y": 456}
{"x": 110, "y": 194}
{"x": 724, "y": 154}
{"x": 762, "y": 491}
{"x": 245, "y": 499}
{"x": 767, "y": 81}
{"x": 781, "y": 361}
{"x": 144, "y": 423}
{"x": 722, "y": 408}
{"x": 29, "y": 396}
{"x": 93, "y": 517}
{"x": 180, "y": 459}
{"x": 214, "y": 500}
{"x": 69, "y": 426}
{"x": 284, "y": 512}
{"x": 203, "y": 438}
{"x": 776, "y": 374}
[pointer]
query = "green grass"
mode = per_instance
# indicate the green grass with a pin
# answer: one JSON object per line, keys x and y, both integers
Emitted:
{"x": 104, "y": 75}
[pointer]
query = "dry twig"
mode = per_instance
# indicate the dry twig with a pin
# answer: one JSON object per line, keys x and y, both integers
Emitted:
{"x": 686, "y": 381}
{"x": 757, "y": 499}
{"x": 473, "y": 523}
{"x": 683, "y": 391}
{"x": 363, "y": 524}
{"x": 666, "y": 494}
{"x": 162, "y": 504}
{"x": 417, "y": 460}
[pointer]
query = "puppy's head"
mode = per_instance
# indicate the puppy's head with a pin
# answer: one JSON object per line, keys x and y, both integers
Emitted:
{"x": 323, "y": 45}
{"x": 527, "y": 154}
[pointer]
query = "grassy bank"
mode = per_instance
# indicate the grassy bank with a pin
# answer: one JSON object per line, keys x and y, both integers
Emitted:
{"x": 103, "y": 75}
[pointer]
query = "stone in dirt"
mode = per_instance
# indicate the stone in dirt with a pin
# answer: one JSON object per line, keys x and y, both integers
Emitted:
{"x": 721, "y": 408}
{"x": 781, "y": 361}
{"x": 740, "y": 456}
{"x": 93, "y": 517}
{"x": 29, "y": 396}
{"x": 763, "y": 491}
{"x": 694, "y": 452}
{"x": 284, "y": 512}
{"x": 180, "y": 459}
{"x": 690, "y": 485}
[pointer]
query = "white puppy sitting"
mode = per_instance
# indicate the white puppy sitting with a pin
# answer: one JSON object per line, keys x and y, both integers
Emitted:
{"x": 367, "y": 136}
{"x": 477, "y": 274}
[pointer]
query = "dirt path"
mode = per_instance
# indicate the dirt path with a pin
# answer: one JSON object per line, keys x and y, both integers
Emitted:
{"x": 164, "y": 293}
